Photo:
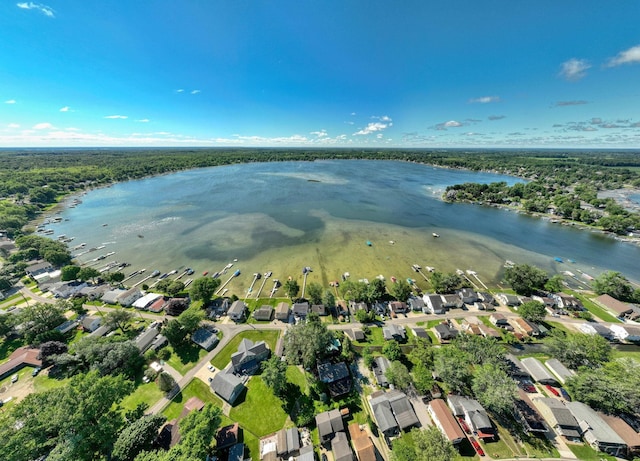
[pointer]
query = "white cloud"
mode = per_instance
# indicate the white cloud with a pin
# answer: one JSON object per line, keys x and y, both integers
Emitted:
{"x": 65, "y": 109}
{"x": 10, "y": 101}
{"x": 630, "y": 56}
{"x": 353, "y": 114}
{"x": 13, "y": 125}
{"x": 180, "y": 90}
{"x": 484, "y": 99}
{"x": 320, "y": 134}
{"x": 117, "y": 117}
{"x": 143, "y": 120}
{"x": 43, "y": 126}
{"x": 574, "y": 69}
{"x": 44, "y": 9}
{"x": 450, "y": 124}
{"x": 372, "y": 128}
{"x": 195, "y": 91}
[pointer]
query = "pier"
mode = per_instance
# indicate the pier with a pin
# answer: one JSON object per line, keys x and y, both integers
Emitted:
{"x": 264, "y": 280}
{"x": 235, "y": 274}
{"x": 276, "y": 284}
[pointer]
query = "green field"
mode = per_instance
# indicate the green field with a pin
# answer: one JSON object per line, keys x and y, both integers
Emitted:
{"x": 224, "y": 356}
{"x": 586, "y": 453}
{"x": 148, "y": 393}
{"x": 260, "y": 412}
{"x": 185, "y": 357}
{"x": 195, "y": 388}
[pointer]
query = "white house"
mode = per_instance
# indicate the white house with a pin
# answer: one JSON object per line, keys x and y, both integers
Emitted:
{"x": 625, "y": 332}
{"x": 130, "y": 296}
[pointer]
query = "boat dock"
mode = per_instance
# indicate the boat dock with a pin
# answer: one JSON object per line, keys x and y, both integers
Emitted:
{"x": 220, "y": 290}
{"x": 276, "y": 284}
{"x": 264, "y": 280}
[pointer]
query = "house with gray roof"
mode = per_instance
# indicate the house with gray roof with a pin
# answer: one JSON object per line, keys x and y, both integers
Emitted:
{"x": 237, "y": 311}
{"x": 433, "y": 304}
{"x": 515, "y": 367}
{"x": 558, "y": 417}
{"x": 474, "y": 414}
{"x": 282, "y": 311}
{"x": 306, "y": 454}
{"x": 340, "y": 447}
{"x": 559, "y": 370}
{"x": 595, "y": 328}
{"x": 508, "y": 300}
{"x": 287, "y": 442}
{"x": 444, "y": 332}
{"x": 393, "y": 331}
{"x": 247, "y": 358}
{"x": 336, "y": 376}
{"x": 380, "y": 365}
{"x": 383, "y": 415}
{"x": 538, "y": 371}
{"x": 204, "y": 338}
{"x": 100, "y": 331}
{"x": 111, "y": 296}
{"x": 417, "y": 304}
{"x": 130, "y": 296}
{"x": 468, "y": 296}
{"x": 595, "y": 431}
{"x": 300, "y": 310}
{"x": 145, "y": 339}
{"x": 91, "y": 323}
{"x": 263, "y": 313}
{"x": 452, "y": 301}
{"x": 227, "y": 385}
{"x": 329, "y": 423}
{"x": 393, "y": 412}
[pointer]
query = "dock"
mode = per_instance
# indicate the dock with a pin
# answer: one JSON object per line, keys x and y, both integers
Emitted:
{"x": 266, "y": 275}
{"x": 235, "y": 274}
{"x": 276, "y": 284}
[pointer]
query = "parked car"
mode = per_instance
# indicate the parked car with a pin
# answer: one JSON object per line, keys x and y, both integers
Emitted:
{"x": 211, "y": 367}
{"x": 35, "y": 371}
{"x": 552, "y": 390}
{"x": 14, "y": 378}
{"x": 476, "y": 446}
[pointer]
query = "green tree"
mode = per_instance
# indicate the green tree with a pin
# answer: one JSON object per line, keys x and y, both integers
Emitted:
{"x": 292, "y": 288}
{"x": 577, "y": 349}
{"x": 532, "y": 311}
{"x": 367, "y": 356}
{"x": 398, "y": 375}
{"x": 329, "y": 299}
{"x": 308, "y": 342}
{"x": 81, "y": 420}
{"x": 203, "y": 289}
{"x": 314, "y": 293}
{"x": 555, "y": 284}
{"x": 422, "y": 353}
{"x": 69, "y": 273}
{"x": 422, "y": 378}
{"x": 174, "y": 332}
{"x": 613, "y": 284}
{"x": 445, "y": 282}
{"x": 88, "y": 273}
{"x": 428, "y": 445}
{"x": 191, "y": 319}
{"x": 392, "y": 350}
{"x": 354, "y": 290}
{"x": 7, "y": 322}
{"x": 480, "y": 350}
{"x": 118, "y": 318}
{"x": 107, "y": 355}
{"x": 525, "y": 279}
{"x": 115, "y": 277}
{"x": 452, "y": 367}
{"x": 136, "y": 437}
{"x": 175, "y": 288}
{"x": 377, "y": 290}
{"x": 166, "y": 382}
{"x": 40, "y": 318}
{"x": 363, "y": 316}
{"x": 400, "y": 290}
{"x": 494, "y": 388}
{"x": 274, "y": 375}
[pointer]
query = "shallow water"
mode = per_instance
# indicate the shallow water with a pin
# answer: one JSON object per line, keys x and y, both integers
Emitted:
{"x": 285, "y": 216}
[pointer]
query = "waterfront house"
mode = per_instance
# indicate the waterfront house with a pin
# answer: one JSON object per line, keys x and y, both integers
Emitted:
{"x": 416, "y": 303}
{"x": 445, "y": 421}
{"x": 237, "y": 311}
{"x": 362, "y": 443}
{"x": 433, "y": 303}
{"x": 145, "y": 301}
{"x": 451, "y": 301}
{"x": 468, "y": 296}
{"x": 398, "y": 307}
{"x": 263, "y": 313}
{"x": 336, "y": 376}
{"x": 282, "y": 311}
{"x": 329, "y": 423}
{"x": 567, "y": 302}
{"x": 66, "y": 290}
{"x": 594, "y": 328}
{"x": 319, "y": 309}
{"x": 227, "y": 385}
{"x": 486, "y": 297}
{"x": 625, "y": 332}
{"x": 300, "y": 310}
{"x": 111, "y": 296}
{"x": 484, "y": 306}
{"x": 393, "y": 331}
{"x": 538, "y": 371}
{"x": 38, "y": 268}
{"x": 474, "y": 415}
{"x": 249, "y": 355}
{"x": 559, "y": 370}
{"x": 93, "y": 292}
{"x": 508, "y": 300}
{"x": 595, "y": 431}
{"x": 380, "y": 365}
{"x": 176, "y": 306}
{"x": 204, "y": 338}
{"x": 617, "y": 308}
{"x": 128, "y": 297}
{"x": 559, "y": 417}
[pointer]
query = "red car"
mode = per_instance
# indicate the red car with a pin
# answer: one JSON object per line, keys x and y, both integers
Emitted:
{"x": 553, "y": 390}
{"x": 464, "y": 425}
{"x": 476, "y": 446}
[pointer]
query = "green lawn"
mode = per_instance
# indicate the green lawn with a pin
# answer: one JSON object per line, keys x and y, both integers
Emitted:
{"x": 148, "y": 393}
{"x": 260, "y": 412}
{"x": 224, "y": 356}
{"x": 594, "y": 308}
{"x": 185, "y": 357}
{"x": 296, "y": 377}
{"x": 7, "y": 346}
{"x": 42, "y": 382}
{"x": 586, "y": 453}
{"x": 196, "y": 388}
{"x": 374, "y": 338}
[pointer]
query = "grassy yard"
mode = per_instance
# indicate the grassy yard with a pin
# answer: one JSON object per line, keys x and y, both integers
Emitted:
{"x": 224, "y": 356}
{"x": 586, "y": 453}
{"x": 260, "y": 411}
{"x": 296, "y": 377}
{"x": 42, "y": 382}
{"x": 7, "y": 346}
{"x": 196, "y": 388}
{"x": 148, "y": 393}
{"x": 185, "y": 357}
{"x": 374, "y": 338}
{"x": 594, "y": 308}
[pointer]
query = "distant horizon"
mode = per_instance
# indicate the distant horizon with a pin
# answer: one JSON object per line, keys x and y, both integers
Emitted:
{"x": 359, "y": 74}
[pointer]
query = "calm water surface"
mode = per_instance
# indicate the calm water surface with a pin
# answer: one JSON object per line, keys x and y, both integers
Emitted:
{"x": 284, "y": 216}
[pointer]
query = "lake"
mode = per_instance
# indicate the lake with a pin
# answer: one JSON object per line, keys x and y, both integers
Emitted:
{"x": 283, "y": 216}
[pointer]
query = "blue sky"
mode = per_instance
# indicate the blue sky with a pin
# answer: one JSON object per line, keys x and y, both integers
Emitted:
{"x": 299, "y": 73}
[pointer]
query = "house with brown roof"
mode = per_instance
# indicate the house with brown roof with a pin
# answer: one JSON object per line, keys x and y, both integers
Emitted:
{"x": 626, "y": 433}
{"x": 20, "y": 358}
{"x": 282, "y": 311}
{"x": 445, "y": 421}
{"x": 362, "y": 444}
{"x": 617, "y": 308}
{"x": 227, "y": 436}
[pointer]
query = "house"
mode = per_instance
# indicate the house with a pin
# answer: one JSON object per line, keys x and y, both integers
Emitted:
{"x": 204, "y": 338}
{"x": 489, "y": 332}
{"x": 526, "y": 414}
{"x": 66, "y": 290}
{"x": 67, "y": 326}
{"x": 398, "y": 307}
{"x": 380, "y": 365}
{"x": 145, "y": 301}
{"x": 362, "y": 443}
{"x": 486, "y": 298}
{"x": 287, "y": 442}
{"x": 559, "y": 370}
{"x": 93, "y": 292}
{"x": 219, "y": 306}
{"x": 145, "y": 339}
{"x": 170, "y": 433}
{"x": 128, "y": 297}
{"x": 420, "y": 332}
{"x": 329, "y": 423}
{"x": 445, "y": 421}
{"x": 282, "y": 311}
{"x": 393, "y": 331}
{"x": 617, "y": 308}
{"x": 515, "y": 367}
{"x": 300, "y": 310}
{"x": 101, "y": 331}
{"x": 236, "y": 452}
{"x": 538, "y": 371}
{"x": 176, "y": 306}
{"x": 547, "y": 301}
{"x": 319, "y": 309}
{"x": 626, "y": 433}
{"x": 263, "y": 313}
{"x": 340, "y": 447}
{"x": 558, "y": 417}
{"x": 159, "y": 342}
{"x": 444, "y": 332}
{"x": 508, "y": 300}
{"x": 355, "y": 334}
{"x": 525, "y": 327}
{"x": 470, "y": 328}
{"x": 227, "y": 436}
{"x": 247, "y": 358}
{"x": 484, "y": 306}
{"x": 91, "y": 323}
{"x": 433, "y": 304}
{"x": 595, "y": 431}
{"x": 20, "y": 358}
{"x": 625, "y": 332}
{"x": 227, "y": 385}
{"x": 38, "y": 268}
{"x": 395, "y": 404}
{"x": 306, "y": 454}
{"x": 416, "y": 304}
{"x": 237, "y": 311}
{"x": 570, "y": 303}
{"x": 498, "y": 320}
{"x": 111, "y": 296}
{"x": 474, "y": 415}
{"x": 468, "y": 296}
{"x": 452, "y": 302}
{"x": 336, "y": 376}
{"x": 594, "y": 328}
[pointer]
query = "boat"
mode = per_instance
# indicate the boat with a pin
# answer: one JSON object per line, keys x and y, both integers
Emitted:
{"x": 430, "y": 269}
{"x": 508, "y": 263}
{"x": 415, "y": 267}
{"x": 557, "y": 259}
{"x": 215, "y": 275}
{"x": 369, "y": 243}
{"x": 392, "y": 242}
{"x": 435, "y": 235}
{"x": 236, "y": 273}
{"x": 205, "y": 273}
{"x": 155, "y": 273}
{"x": 393, "y": 279}
{"x": 189, "y": 271}
{"x": 105, "y": 225}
